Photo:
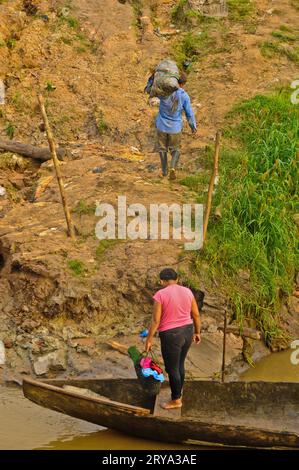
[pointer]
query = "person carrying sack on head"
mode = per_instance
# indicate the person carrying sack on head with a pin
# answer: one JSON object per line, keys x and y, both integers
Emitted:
{"x": 176, "y": 317}
{"x": 169, "y": 125}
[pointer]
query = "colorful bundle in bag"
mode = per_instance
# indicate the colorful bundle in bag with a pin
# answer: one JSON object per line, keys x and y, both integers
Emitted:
{"x": 150, "y": 378}
{"x": 150, "y": 368}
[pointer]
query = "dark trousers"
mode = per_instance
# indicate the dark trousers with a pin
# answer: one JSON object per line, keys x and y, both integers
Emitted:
{"x": 175, "y": 344}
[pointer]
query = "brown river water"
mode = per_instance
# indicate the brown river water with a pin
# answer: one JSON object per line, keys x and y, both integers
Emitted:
{"x": 24, "y": 425}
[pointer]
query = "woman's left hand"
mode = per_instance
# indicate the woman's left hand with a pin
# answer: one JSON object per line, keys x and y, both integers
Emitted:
{"x": 148, "y": 345}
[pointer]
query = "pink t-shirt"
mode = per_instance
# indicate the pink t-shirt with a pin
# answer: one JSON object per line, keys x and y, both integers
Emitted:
{"x": 176, "y": 306}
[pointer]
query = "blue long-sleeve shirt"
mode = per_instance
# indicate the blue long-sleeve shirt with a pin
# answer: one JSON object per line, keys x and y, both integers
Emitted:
{"x": 170, "y": 119}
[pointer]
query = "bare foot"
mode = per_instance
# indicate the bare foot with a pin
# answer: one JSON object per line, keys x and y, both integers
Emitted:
{"x": 170, "y": 405}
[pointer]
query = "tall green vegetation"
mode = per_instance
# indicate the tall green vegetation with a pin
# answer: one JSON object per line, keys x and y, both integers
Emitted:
{"x": 258, "y": 191}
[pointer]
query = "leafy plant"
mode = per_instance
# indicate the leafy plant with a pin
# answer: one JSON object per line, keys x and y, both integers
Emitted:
{"x": 102, "y": 126}
{"x": 72, "y": 22}
{"x": 103, "y": 246}
{"x": 50, "y": 86}
{"x": 10, "y": 130}
{"x": 83, "y": 208}
{"x": 77, "y": 267}
{"x": 11, "y": 42}
{"x": 17, "y": 100}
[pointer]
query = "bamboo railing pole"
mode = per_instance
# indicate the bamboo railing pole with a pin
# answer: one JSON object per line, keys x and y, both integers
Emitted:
{"x": 70, "y": 226}
{"x": 211, "y": 186}
{"x": 224, "y": 346}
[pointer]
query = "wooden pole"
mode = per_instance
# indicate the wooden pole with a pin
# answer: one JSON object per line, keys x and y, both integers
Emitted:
{"x": 224, "y": 346}
{"x": 211, "y": 186}
{"x": 70, "y": 226}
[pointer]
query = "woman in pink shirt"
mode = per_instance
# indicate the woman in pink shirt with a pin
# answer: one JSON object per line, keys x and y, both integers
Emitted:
{"x": 176, "y": 317}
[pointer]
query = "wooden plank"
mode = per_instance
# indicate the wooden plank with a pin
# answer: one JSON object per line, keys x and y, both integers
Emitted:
{"x": 164, "y": 396}
{"x": 118, "y": 347}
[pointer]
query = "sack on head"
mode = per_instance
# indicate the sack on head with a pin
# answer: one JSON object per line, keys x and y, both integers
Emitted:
{"x": 166, "y": 79}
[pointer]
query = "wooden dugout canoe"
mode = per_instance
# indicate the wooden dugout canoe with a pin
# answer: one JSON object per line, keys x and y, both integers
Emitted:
{"x": 251, "y": 414}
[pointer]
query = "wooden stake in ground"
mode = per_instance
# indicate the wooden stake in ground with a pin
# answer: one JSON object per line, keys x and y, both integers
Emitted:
{"x": 211, "y": 186}
{"x": 224, "y": 346}
{"x": 71, "y": 231}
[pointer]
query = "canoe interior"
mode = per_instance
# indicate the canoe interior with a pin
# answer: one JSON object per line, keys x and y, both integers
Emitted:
{"x": 122, "y": 390}
{"x": 264, "y": 405}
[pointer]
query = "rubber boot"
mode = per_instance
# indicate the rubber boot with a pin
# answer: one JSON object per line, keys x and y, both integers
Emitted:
{"x": 164, "y": 165}
{"x": 174, "y": 161}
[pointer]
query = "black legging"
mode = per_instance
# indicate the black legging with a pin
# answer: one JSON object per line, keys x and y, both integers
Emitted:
{"x": 175, "y": 344}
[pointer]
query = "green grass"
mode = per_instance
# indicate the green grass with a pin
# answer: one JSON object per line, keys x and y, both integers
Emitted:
{"x": 18, "y": 101}
{"x": 103, "y": 246}
{"x": 154, "y": 12}
{"x": 50, "y": 86}
{"x": 178, "y": 12}
{"x": 240, "y": 10}
{"x": 192, "y": 46}
{"x": 72, "y": 35}
{"x": 72, "y": 22}
{"x": 77, "y": 267}
{"x": 11, "y": 43}
{"x": 284, "y": 42}
{"x": 101, "y": 124}
{"x": 285, "y": 36}
{"x": 10, "y": 130}
{"x": 137, "y": 11}
{"x": 258, "y": 191}
{"x": 197, "y": 182}
{"x": 67, "y": 40}
{"x": 271, "y": 49}
{"x": 184, "y": 16}
{"x": 82, "y": 207}
{"x": 80, "y": 42}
